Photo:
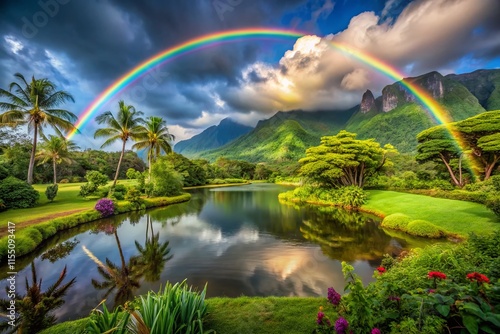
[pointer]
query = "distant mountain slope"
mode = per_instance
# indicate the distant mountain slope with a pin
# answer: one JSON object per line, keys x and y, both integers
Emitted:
{"x": 401, "y": 118}
{"x": 283, "y": 137}
{"x": 211, "y": 138}
{"x": 483, "y": 84}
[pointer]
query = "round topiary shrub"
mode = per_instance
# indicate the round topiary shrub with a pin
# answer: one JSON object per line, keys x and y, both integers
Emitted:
{"x": 396, "y": 221}
{"x": 17, "y": 194}
{"x": 423, "y": 228}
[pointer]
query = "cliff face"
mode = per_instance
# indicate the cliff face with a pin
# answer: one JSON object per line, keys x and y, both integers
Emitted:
{"x": 396, "y": 95}
{"x": 367, "y": 102}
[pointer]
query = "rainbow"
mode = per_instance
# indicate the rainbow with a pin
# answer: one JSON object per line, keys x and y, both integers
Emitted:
{"x": 439, "y": 115}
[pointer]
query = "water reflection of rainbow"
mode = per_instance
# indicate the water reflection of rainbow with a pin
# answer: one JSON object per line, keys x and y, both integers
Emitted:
{"x": 439, "y": 115}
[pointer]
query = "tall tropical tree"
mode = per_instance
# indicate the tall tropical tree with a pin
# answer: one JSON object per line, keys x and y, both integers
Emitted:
{"x": 57, "y": 150}
{"x": 36, "y": 103}
{"x": 155, "y": 137}
{"x": 127, "y": 125}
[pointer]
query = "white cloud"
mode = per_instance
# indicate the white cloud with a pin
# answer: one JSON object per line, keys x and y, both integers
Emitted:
{"x": 14, "y": 45}
{"x": 428, "y": 35}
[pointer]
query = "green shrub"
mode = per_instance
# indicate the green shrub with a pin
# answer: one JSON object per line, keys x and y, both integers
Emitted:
{"x": 493, "y": 204}
{"x": 351, "y": 197}
{"x": 165, "y": 181}
{"x": 495, "y": 181}
{"x": 87, "y": 189}
{"x": 97, "y": 178}
{"x": 17, "y": 194}
{"x": 4, "y": 172}
{"x": 132, "y": 174}
{"x": 2, "y": 205}
{"x": 64, "y": 181}
{"x": 76, "y": 179}
{"x": 396, "y": 221}
{"x": 51, "y": 192}
{"x": 423, "y": 228}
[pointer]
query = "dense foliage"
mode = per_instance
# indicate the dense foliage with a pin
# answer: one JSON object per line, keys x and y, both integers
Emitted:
{"x": 440, "y": 289}
{"x": 165, "y": 181}
{"x": 17, "y": 194}
{"x": 343, "y": 160}
{"x": 51, "y": 192}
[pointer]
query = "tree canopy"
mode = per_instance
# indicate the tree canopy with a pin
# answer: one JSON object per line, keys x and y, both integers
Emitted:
{"x": 343, "y": 160}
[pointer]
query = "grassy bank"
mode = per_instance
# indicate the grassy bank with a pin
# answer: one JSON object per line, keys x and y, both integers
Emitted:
{"x": 263, "y": 315}
{"x": 452, "y": 216}
{"x": 28, "y": 238}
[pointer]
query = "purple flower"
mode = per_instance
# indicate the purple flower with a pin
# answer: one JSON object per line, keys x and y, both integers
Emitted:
{"x": 321, "y": 315}
{"x": 341, "y": 325}
{"x": 333, "y": 296}
{"x": 105, "y": 206}
{"x": 376, "y": 331}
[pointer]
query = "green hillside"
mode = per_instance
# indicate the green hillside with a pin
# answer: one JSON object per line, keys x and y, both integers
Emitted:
{"x": 213, "y": 137}
{"x": 483, "y": 84}
{"x": 287, "y": 141}
{"x": 283, "y": 137}
{"x": 398, "y": 127}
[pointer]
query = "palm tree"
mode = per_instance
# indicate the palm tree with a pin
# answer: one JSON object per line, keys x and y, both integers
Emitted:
{"x": 36, "y": 306}
{"x": 56, "y": 149}
{"x": 35, "y": 103}
{"x": 154, "y": 136}
{"x": 125, "y": 126}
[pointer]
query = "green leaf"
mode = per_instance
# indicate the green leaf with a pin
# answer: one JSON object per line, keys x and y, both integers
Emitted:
{"x": 444, "y": 310}
{"x": 494, "y": 319}
{"x": 487, "y": 329}
{"x": 471, "y": 323}
{"x": 474, "y": 309}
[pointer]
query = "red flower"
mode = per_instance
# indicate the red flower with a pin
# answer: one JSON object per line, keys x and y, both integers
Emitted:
{"x": 480, "y": 278}
{"x": 381, "y": 270}
{"x": 436, "y": 274}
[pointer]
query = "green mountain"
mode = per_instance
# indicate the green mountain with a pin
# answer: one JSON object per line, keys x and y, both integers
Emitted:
{"x": 400, "y": 117}
{"x": 483, "y": 84}
{"x": 283, "y": 137}
{"x": 211, "y": 138}
{"x": 395, "y": 117}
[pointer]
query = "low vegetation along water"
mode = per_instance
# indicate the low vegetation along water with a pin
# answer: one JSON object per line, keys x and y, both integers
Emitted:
{"x": 240, "y": 240}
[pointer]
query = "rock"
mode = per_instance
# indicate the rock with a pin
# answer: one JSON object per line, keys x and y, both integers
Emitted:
{"x": 367, "y": 102}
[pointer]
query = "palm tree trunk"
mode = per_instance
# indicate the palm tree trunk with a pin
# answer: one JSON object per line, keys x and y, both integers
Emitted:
{"x": 119, "y": 164}
{"x": 32, "y": 157}
{"x": 122, "y": 258}
{"x": 55, "y": 170}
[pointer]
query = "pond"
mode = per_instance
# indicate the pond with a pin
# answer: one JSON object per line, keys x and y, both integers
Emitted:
{"x": 240, "y": 240}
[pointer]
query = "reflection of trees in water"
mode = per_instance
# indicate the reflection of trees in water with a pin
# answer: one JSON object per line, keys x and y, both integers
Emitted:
{"x": 153, "y": 256}
{"x": 60, "y": 251}
{"x": 261, "y": 208}
{"x": 35, "y": 307}
{"x": 173, "y": 213}
{"x": 345, "y": 235}
{"x": 123, "y": 278}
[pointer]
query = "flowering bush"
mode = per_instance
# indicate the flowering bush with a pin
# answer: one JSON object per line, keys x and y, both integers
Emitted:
{"x": 381, "y": 270}
{"x": 383, "y": 307}
{"x": 105, "y": 206}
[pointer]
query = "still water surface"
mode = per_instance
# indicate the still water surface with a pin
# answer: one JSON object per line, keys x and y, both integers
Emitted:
{"x": 239, "y": 240}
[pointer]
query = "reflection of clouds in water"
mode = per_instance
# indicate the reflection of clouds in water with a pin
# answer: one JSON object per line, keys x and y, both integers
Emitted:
{"x": 191, "y": 227}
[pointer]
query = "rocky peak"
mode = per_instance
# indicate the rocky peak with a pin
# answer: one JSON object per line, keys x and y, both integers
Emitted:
{"x": 396, "y": 94}
{"x": 367, "y": 102}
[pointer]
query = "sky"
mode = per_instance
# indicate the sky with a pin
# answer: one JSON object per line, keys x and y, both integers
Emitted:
{"x": 85, "y": 46}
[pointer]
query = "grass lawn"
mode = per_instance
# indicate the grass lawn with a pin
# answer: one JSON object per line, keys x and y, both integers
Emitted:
{"x": 67, "y": 200}
{"x": 263, "y": 315}
{"x": 456, "y": 217}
